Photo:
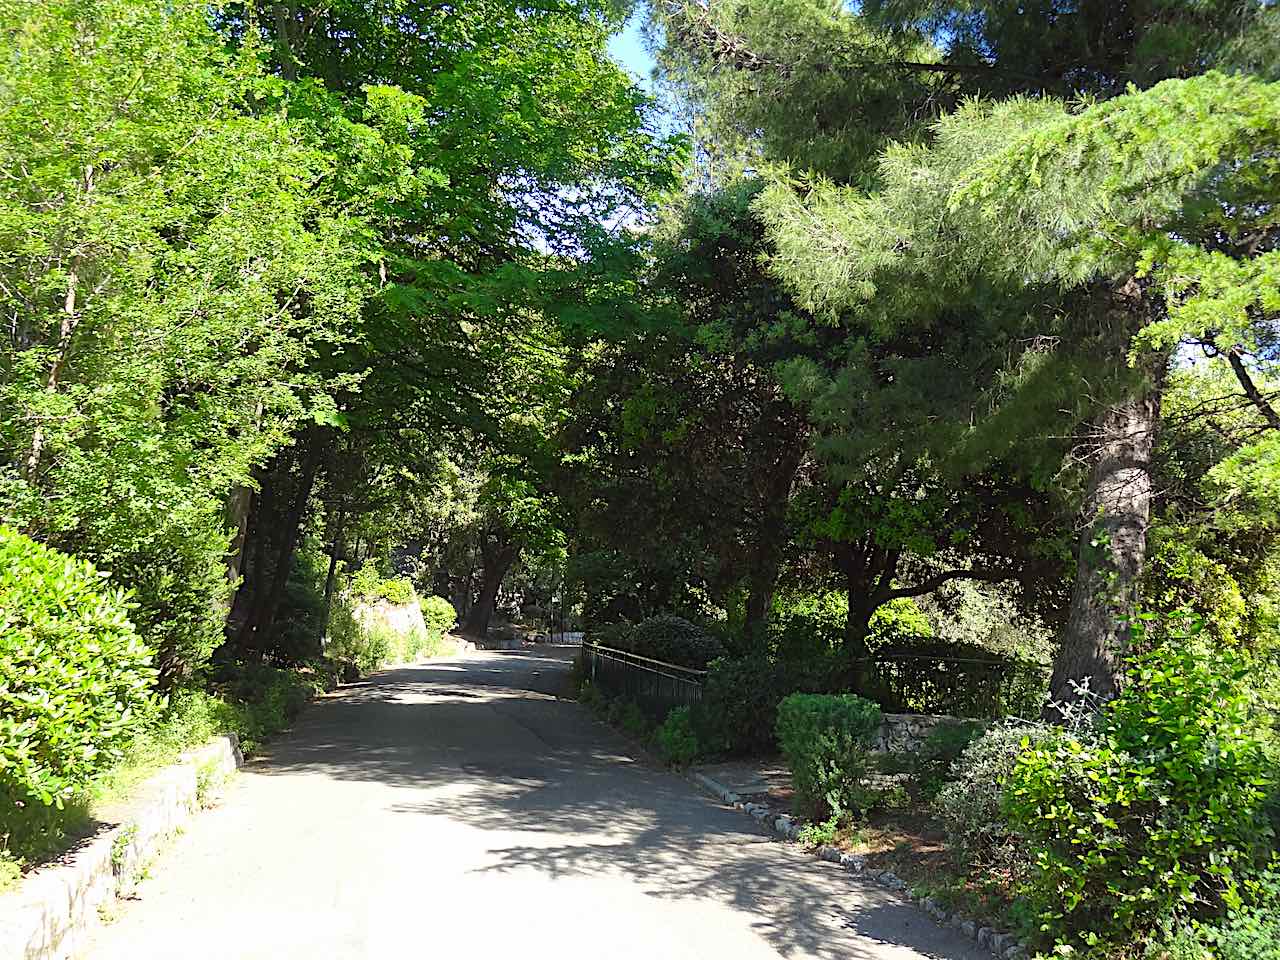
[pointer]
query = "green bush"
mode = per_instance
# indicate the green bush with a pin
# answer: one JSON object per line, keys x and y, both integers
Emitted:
{"x": 826, "y": 740}
{"x": 929, "y": 767}
{"x": 970, "y": 806}
{"x": 75, "y": 677}
{"x": 438, "y": 614}
{"x": 671, "y": 639}
{"x": 367, "y": 583}
{"x": 1162, "y": 813}
{"x": 262, "y": 700}
{"x": 615, "y": 635}
{"x": 739, "y": 707}
{"x": 398, "y": 590}
{"x": 351, "y": 643}
{"x": 676, "y": 740}
{"x": 1250, "y": 931}
{"x": 624, "y": 713}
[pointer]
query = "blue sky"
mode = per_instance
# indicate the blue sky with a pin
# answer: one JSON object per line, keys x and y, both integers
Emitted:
{"x": 628, "y": 49}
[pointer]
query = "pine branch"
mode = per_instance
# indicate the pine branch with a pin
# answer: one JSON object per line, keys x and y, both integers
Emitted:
{"x": 1251, "y": 389}
{"x": 732, "y": 50}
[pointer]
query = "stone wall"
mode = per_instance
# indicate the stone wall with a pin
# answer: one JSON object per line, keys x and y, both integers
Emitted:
{"x": 55, "y": 907}
{"x": 907, "y": 732}
{"x": 401, "y": 618}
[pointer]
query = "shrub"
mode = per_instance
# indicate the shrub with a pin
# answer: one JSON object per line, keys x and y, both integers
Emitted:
{"x": 624, "y": 713}
{"x": 739, "y": 707}
{"x": 615, "y": 635}
{"x": 970, "y": 806}
{"x": 1248, "y": 932}
{"x": 398, "y": 590}
{"x": 367, "y": 583}
{"x": 366, "y": 650}
{"x": 438, "y": 614}
{"x": 75, "y": 677}
{"x": 676, "y": 740}
{"x": 929, "y": 768}
{"x": 673, "y": 640}
{"x": 1164, "y": 812}
{"x": 825, "y": 738}
{"x": 923, "y": 675}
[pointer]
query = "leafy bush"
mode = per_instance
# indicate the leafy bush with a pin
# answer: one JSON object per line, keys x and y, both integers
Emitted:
{"x": 673, "y": 640}
{"x": 624, "y": 713}
{"x": 929, "y": 768}
{"x": 260, "y": 700}
{"x": 398, "y": 590}
{"x": 1164, "y": 812}
{"x": 300, "y": 622}
{"x": 970, "y": 806}
{"x": 1248, "y": 932}
{"x": 367, "y": 583}
{"x": 676, "y": 740}
{"x": 438, "y": 614}
{"x": 350, "y": 642}
{"x": 739, "y": 707}
{"x": 615, "y": 635}
{"x": 947, "y": 741}
{"x": 75, "y": 677}
{"x": 825, "y": 738}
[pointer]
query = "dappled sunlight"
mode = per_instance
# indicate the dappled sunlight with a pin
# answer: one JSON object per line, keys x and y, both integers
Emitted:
{"x": 543, "y": 789}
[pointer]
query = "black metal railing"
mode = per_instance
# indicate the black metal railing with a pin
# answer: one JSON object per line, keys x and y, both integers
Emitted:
{"x": 656, "y": 687}
{"x": 986, "y": 687}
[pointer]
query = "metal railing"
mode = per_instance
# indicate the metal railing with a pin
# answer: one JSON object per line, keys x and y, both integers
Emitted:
{"x": 986, "y": 687}
{"x": 655, "y": 686}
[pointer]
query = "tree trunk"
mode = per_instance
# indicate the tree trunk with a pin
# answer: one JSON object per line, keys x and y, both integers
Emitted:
{"x": 257, "y": 627}
{"x": 238, "y": 506}
{"x": 335, "y": 550}
{"x": 1112, "y": 547}
{"x": 770, "y": 541}
{"x": 284, "y": 43}
{"x": 496, "y": 564}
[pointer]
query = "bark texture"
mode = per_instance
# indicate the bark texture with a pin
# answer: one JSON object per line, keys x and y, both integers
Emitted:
{"x": 1112, "y": 549}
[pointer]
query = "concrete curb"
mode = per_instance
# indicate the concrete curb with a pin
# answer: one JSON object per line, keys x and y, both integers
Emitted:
{"x": 1002, "y": 945}
{"x": 55, "y": 908}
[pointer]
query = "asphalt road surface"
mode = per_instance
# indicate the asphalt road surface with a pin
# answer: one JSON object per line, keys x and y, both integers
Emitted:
{"x": 458, "y": 809}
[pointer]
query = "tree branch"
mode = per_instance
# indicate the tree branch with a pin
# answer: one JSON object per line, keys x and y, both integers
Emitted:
{"x": 985, "y": 574}
{"x": 733, "y": 51}
{"x": 1251, "y": 389}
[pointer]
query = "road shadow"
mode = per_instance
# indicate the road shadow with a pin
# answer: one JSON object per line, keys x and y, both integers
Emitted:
{"x": 508, "y": 755}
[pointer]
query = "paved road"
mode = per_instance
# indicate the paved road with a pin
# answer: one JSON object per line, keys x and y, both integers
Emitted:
{"x": 458, "y": 809}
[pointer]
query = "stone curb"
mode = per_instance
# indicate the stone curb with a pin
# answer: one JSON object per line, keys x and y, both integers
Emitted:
{"x": 55, "y": 908}
{"x": 1002, "y": 945}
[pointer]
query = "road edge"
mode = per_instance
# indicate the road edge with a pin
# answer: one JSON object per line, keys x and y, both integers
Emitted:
{"x": 53, "y": 910}
{"x": 1002, "y": 945}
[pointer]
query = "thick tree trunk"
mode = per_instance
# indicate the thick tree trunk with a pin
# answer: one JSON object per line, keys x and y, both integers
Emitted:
{"x": 1112, "y": 548}
{"x": 267, "y": 595}
{"x": 496, "y": 564}
{"x": 238, "y": 506}
{"x": 868, "y": 571}
{"x": 771, "y": 539}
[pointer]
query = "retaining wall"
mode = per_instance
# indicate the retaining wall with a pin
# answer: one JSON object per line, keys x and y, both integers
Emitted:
{"x": 55, "y": 907}
{"x": 907, "y": 732}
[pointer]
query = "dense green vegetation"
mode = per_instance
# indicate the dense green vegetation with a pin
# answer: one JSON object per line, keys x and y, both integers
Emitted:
{"x": 931, "y": 367}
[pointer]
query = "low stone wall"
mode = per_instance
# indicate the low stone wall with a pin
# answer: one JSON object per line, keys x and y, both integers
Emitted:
{"x": 907, "y": 732}
{"x": 53, "y": 909}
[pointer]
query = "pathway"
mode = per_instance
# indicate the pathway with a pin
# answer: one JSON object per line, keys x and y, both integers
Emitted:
{"x": 458, "y": 809}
